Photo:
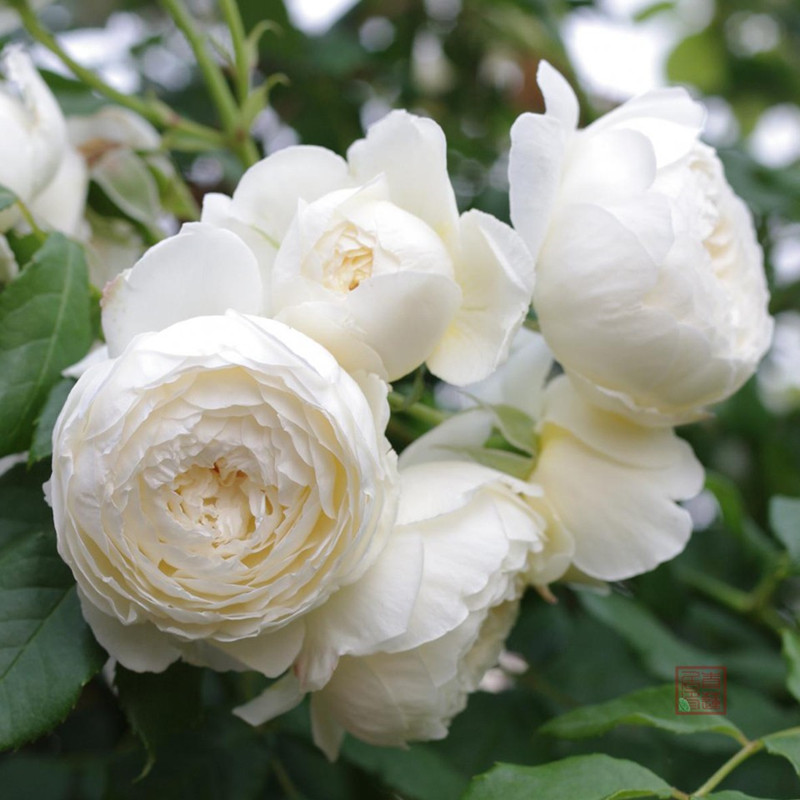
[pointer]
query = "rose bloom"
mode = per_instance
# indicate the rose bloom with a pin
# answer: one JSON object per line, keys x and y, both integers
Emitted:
{"x": 477, "y": 540}
{"x": 650, "y": 286}
{"x": 609, "y": 485}
{"x": 214, "y": 487}
{"x": 374, "y": 246}
{"x": 37, "y": 161}
{"x": 33, "y": 132}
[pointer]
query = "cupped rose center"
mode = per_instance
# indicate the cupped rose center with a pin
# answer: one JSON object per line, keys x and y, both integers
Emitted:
{"x": 220, "y": 502}
{"x": 348, "y": 256}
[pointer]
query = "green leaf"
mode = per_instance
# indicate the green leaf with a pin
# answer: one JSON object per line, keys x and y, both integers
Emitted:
{"x": 784, "y": 519}
{"x": 786, "y": 744}
{"x": 733, "y": 796}
{"x": 593, "y": 777}
{"x": 7, "y": 198}
{"x": 128, "y": 183}
{"x": 518, "y": 429}
{"x": 683, "y": 704}
{"x": 735, "y": 518}
{"x": 42, "y": 444}
{"x": 160, "y": 705}
{"x": 648, "y": 12}
{"x": 791, "y": 653}
{"x": 223, "y": 758}
{"x": 659, "y": 648}
{"x": 27, "y": 776}
{"x": 511, "y": 463}
{"x": 700, "y": 60}
{"x": 47, "y": 653}
{"x": 22, "y": 506}
{"x": 418, "y": 773}
{"x": 653, "y": 708}
{"x": 44, "y": 328}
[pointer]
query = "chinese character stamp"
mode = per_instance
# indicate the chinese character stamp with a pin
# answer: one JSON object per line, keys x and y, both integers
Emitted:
{"x": 701, "y": 690}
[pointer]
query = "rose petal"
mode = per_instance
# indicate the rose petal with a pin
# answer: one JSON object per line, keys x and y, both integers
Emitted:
{"x": 201, "y": 271}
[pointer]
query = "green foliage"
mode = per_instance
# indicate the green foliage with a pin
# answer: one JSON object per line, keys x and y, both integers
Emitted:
{"x": 595, "y": 777}
{"x": 733, "y": 796}
{"x": 42, "y": 444}
{"x": 791, "y": 652}
{"x": 650, "y": 707}
{"x": 44, "y": 328}
{"x": 784, "y": 518}
{"x": 730, "y": 599}
{"x": 47, "y": 653}
{"x": 160, "y": 705}
{"x": 660, "y": 650}
{"x": 418, "y": 773}
{"x": 786, "y": 744}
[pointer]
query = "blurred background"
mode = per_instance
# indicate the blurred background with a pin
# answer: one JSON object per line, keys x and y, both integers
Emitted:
{"x": 335, "y": 67}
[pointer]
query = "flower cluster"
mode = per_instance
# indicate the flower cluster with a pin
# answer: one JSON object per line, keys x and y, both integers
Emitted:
{"x": 49, "y": 161}
{"x": 223, "y": 487}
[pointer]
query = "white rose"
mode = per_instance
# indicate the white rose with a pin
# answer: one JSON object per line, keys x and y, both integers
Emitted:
{"x": 612, "y": 485}
{"x": 62, "y": 203}
{"x": 609, "y": 485}
{"x": 113, "y": 143}
{"x": 478, "y": 538}
{"x": 32, "y": 132}
{"x": 375, "y": 245}
{"x": 650, "y": 286}
{"x": 215, "y": 488}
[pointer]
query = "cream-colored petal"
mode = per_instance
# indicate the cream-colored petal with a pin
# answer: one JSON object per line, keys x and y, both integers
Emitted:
{"x": 200, "y": 271}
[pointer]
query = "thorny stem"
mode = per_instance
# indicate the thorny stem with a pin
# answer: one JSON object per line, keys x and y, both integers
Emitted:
{"x": 238, "y": 139}
{"x": 156, "y": 112}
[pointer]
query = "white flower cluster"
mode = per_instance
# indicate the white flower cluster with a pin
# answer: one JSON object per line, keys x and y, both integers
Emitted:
{"x": 223, "y": 488}
{"x": 48, "y": 161}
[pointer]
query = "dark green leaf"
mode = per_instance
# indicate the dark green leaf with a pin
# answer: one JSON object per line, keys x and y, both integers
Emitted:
{"x": 42, "y": 444}
{"x": 658, "y": 647}
{"x": 224, "y": 759}
{"x": 594, "y": 777}
{"x": 22, "y": 505}
{"x": 784, "y": 519}
{"x": 791, "y": 653}
{"x": 786, "y": 745}
{"x": 47, "y": 653}
{"x": 160, "y": 705}
{"x": 418, "y": 773}
{"x": 7, "y": 198}
{"x": 735, "y": 518}
{"x": 44, "y": 328}
{"x": 650, "y": 707}
{"x": 733, "y": 796}
{"x": 25, "y": 777}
